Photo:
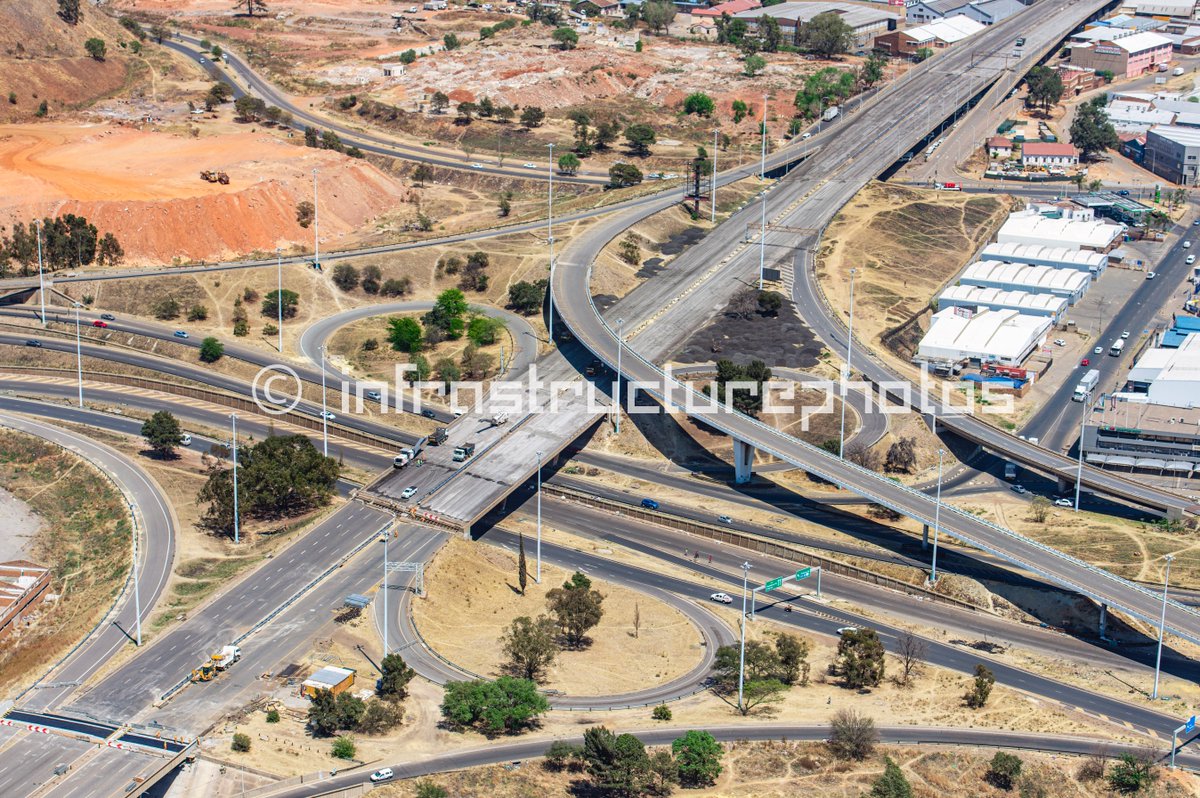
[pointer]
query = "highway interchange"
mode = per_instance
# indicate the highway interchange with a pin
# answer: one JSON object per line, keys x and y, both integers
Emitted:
{"x": 282, "y": 619}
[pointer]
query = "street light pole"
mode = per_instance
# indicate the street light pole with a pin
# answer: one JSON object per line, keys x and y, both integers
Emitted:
{"x": 742, "y": 656}
{"x": 1162, "y": 626}
{"x": 550, "y": 241}
{"x": 712, "y": 217}
{"x": 387, "y": 534}
{"x": 137, "y": 597}
{"x": 620, "y": 347}
{"x": 324, "y": 411}
{"x": 78, "y": 356}
{"x": 762, "y": 169}
{"x": 762, "y": 241}
{"x": 236, "y": 519}
{"x": 316, "y": 226}
{"x": 279, "y": 293}
{"x": 937, "y": 519}
{"x": 41, "y": 277}
{"x": 538, "y": 577}
{"x": 1079, "y": 468}
{"x": 846, "y": 369}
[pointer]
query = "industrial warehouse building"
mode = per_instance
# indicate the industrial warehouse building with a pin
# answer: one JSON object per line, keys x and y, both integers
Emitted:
{"x": 866, "y": 23}
{"x": 971, "y": 296}
{"x": 1173, "y": 152}
{"x": 1003, "y": 337}
{"x": 1170, "y": 376}
{"x": 1078, "y": 232}
{"x": 1124, "y": 55}
{"x": 1127, "y": 433}
{"x": 1086, "y": 261}
{"x": 1068, "y": 284}
{"x": 937, "y": 35}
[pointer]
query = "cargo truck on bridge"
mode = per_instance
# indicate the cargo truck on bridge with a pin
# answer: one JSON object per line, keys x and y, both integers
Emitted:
{"x": 464, "y": 452}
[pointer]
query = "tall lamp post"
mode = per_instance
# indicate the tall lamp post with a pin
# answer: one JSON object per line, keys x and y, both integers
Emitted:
{"x": 316, "y": 226}
{"x": 846, "y": 370}
{"x": 742, "y": 655}
{"x": 384, "y": 588}
{"x": 137, "y": 594}
{"x": 279, "y": 293}
{"x": 78, "y": 356}
{"x": 538, "y": 577}
{"x": 620, "y": 347}
{"x": 762, "y": 169}
{"x": 762, "y": 241}
{"x": 1079, "y": 467}
{"x": 937, "y": 519}
{"x": 550, "y": 241}
{"x": 1162, "y": 626}
{"x": 712, "y": 216}
{"x": 41, "y": 277}
{"x": 324, "y": 411}
{"x": 236, "y": 519}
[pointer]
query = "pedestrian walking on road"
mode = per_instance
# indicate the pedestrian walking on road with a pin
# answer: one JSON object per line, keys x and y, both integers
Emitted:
{"x": 685, "y": 551}
{"x": 710, "y": 558}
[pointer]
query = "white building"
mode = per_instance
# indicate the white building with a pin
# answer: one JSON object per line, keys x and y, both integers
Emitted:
{"x": 1005, "y": 337}
{"x": 973, "y": 296}
{"x": 1173, "y": 375}
{"x": 1068, "y": 284}
{"x": 1164, "y": 8}
{"x": 1056, "y": 257}
{"x": 1030, "y": 227}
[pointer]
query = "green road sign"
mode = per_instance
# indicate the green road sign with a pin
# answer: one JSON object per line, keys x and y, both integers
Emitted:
{"x": 774, "y": 584}
{"x": 803, "y": 573}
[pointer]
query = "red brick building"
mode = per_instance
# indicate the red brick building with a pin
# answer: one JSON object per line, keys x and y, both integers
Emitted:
{"x": 23, "y": 586}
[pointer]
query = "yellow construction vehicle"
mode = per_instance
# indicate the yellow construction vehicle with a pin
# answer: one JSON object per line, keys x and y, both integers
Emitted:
{"x": 204, "y": 673}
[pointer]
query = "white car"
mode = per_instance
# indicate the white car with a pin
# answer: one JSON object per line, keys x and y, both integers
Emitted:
{"x": 1187, "y": 244}
{"x": 185, "y": 440}
{"x": 1190, "y": 259}
{"x": 409, "y": 492}
{"x": 1125, "y": 335}
{"x": 476, "y": 166}
{"x": 722, "y": 598}
{"x": 325, "y": 414}
{"x": 1059, "y": 342}
{"x": 725, "y": 519}
{"x": 1151, "y": 275}
{"x": 530, "y": 165}
{"x": 1019, "y": 490}
{"x": 382, "y": 775}
{"x": 806, "y": 136}
{"x": 1098, "y": 350}
{"x": 845, "y": 630}
{"x": 1063, "y": 503}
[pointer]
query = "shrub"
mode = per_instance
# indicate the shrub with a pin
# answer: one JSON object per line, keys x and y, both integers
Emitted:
{"x": 427, "y": 789}
{"x": 344, "y": 747}
{"x": 272, "y": 715}
{"x": 661, "y": 712}
{"x": 852, "y": 735}
{"x": 197, "y": 313}
{"x": 1003, "y": 770}
{"x": 241, "y": 743}
{"x": 562, "y": 754}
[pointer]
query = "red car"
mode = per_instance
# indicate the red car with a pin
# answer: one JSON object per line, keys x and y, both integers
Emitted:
{"x": 1085, "y": 362}
{"x": 98, "y": 323}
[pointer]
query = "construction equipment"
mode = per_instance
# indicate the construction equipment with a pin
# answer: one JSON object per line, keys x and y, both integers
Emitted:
{"x": 204, "y": 673}
{"x": 225, "y": 658}
{"x": 215, "y": 177}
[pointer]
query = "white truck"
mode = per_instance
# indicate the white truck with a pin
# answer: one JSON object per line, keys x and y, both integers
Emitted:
{"x": 1086, "y": 386}
{"x": 1177, "y": 71}
{"x": 224, "y": 658}
{"x": 831, "y": 113}
{"x": 408, "y": 454}
{"x": 1117, "y": 348}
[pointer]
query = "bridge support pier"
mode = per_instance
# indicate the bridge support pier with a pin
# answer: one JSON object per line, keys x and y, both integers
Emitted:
{"x": 925, "y": 536}
{"x": 1174, "y": 513}
{"x": 1065, "y": 486}
{"x": 743, "y": 459}
{"x": 1103, "y": 621}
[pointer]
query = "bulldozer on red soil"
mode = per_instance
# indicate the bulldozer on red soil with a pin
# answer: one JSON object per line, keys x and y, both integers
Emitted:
{"x": 215, "y": 177}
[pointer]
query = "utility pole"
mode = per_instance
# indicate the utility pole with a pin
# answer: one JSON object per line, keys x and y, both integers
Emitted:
{"x": 742, "y": 656}
{"x": 137, "y": 598}
{"x": 1162, "y": 626}
{"x": 713, "y": 183}
{"x": 762, "y": 169}
{"x": 324, "y": 411}
{"x": 279, "y": 293}
{"x": 78, "y": 356}
{"x": 538, "y": 577}
{"x": 620, "y": 347}
{"x": 384, "y": 588}
{"x": 846, "y": 369}
{"x": 762, "y": 241}
{"x": 316, "y": 226}
{"x": 550, "y": 241}
{"x": 236, "y": 520}
{"x": 937, "y": 519}
{"x": 1079, "y": 468}
{"x": 41, "y": 277}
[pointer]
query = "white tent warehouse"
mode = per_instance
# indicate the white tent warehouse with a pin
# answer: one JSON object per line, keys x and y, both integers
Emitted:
{"x": 971, "y": 296}
{"x": 990, "y": 336}
{"x": 1069, "y": 284}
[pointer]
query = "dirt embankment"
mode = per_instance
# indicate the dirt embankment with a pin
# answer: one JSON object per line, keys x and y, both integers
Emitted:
{"x": 145, "y": 187}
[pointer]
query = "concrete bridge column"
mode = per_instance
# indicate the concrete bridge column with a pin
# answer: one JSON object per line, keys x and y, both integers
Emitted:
{"x": 1065, "y": 486}
{"x": 1103, "y": 621}
{"x": 743, "y": 459}
{"x": 925, "y": 536}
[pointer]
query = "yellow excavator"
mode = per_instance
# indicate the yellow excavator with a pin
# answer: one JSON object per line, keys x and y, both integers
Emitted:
{"x": 217, "y": 662}
{"x": 204, "y": 673}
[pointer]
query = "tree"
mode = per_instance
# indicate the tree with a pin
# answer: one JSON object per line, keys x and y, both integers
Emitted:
{"x": 569, "y": 163}
{"x": 770, "y": 35}
{"x": 447, "y": 370}
{"x": 439, "y": 102}
{"x": 408, "y": 56}
{"x": 241, "y": 743}
{"x": 483, "y": 330}
{"x": 740, "y": 109}
{"x": 504, "y": 203}
{"x": 640, "y": 136}
{"x": 1003, "y": 770}
{"x": 345, "y": 277}
{"x": 197, "y": 313}
{"x": 658, "y": 14}
{"x": 163, "y": 433}
{"x": 371, "y": 276}
{"x": 562, "y": 754}
{"x": 474, "y": 277}
{"x": 860, "y": 658}
{"x": 428, "y": 789}
{"x": 792, "y": 652}
{"x": 96, "y": 48}
{"x": 70, "y": 11}
{"x": 981, "y": 687}
{"x": 405, "y": 334}
{"x": 450, "y": 41}
{"x": 892, "y": 784}
{"x": 1045, "y": 86}
{"x": 618, "y": 764}
{"x": 770, "y": 302}
{"x": 662, "y": 774}
{"x": 529, "y": 646}
{"x": 872, "y": 70}
{"x": 344, "y": 747}
{"x": 395, "y": 676}
{"x": 852, "y": 735}
{"x": 1039, "y": 509}
{"x": 698, "y": 103}
{"x": 270, "y": 305}
{"x": 1131, "y": 774}
{"x": 1091, "y": 132}
{"x": 577, "y": 608}
{"x": 43, "y": 109}
{"x": 753, "y": 65}
{"x": 567, "y": 38}
{"x": 827, "y": 34}
{"x": 252, "y": 6}
{"x": 350, "y": 710}
{"x": 506, "y": 705}
{"x": 527, "y": 298}
{"x": 522, "y": 567}
{"x": 211, "y": 350}
{"x": 323, "y": 714}
{"x": 621, "y": 175}
{"x": 902, "y": 456}
{"x": 661, "y": 712}
{"x": 698, "y": 757}
{"x": 532, "y": 116}
{"x": 249, "y": 108}
{"x": 381, "y": 716}
{"x": 911, "y": 650}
